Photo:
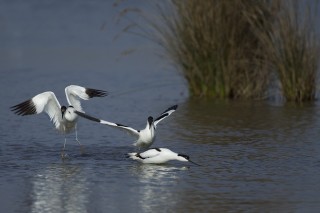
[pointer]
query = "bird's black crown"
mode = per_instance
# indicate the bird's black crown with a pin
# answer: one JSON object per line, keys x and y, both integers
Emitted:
{"x": 184, "y": 156}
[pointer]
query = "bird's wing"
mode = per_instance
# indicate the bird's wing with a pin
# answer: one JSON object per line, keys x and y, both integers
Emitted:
{"x": 46, "y": 101}
{"x": 129, "y": 129}
{"x": 75, "y": 93}
{"x": 165, "y": 114}
{"x": 150, "y": 153}
{"x": 117, "y": 125}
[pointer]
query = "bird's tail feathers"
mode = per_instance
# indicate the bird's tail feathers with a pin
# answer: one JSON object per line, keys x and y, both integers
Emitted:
{"x": 132, "y": 155}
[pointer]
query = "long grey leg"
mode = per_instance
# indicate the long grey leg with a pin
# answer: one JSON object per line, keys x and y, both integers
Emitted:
{"x": 81, "y": 147}
{"x": 77, "y": 135}
{"x": 64, "y": 155}
{"x": 65, "y": 142}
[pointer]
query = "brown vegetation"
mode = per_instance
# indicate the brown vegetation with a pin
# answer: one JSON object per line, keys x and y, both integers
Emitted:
{"x": 230, "y": 49}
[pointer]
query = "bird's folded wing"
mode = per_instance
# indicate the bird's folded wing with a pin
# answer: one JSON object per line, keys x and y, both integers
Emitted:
{"x": 150, "y": 153}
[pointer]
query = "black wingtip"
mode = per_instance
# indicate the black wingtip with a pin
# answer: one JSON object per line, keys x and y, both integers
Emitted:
{"x": 174, "y": 107}
{"x": 96, "y": 93}
{"x": 25, "y": 108}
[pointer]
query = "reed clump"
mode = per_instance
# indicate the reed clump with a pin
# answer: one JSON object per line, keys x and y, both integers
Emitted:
{"x": 231, "y": 49}
{"x": 292, "y": 47}
{"x": 213, "y": 44}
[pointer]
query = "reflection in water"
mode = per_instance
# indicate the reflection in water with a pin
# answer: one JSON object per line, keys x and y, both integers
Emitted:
{"x": 225, "y": 122}
{"x": 156, "y": 183}
{"x": 60, "y": 188}
{"x": 263, "y": 153}
{"x": 253, "y": 158}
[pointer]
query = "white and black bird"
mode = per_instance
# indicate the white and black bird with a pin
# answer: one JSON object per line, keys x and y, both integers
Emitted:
{"x": 64, "y": 118}
{"x": 159, "y": 156}
{"x": 146, "y": 136}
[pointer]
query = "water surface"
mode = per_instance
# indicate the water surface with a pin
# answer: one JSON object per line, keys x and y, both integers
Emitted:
{"x": 255, "y": 156}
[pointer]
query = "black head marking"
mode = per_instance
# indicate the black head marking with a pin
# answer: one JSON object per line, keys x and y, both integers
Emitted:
{"x": 150, "y": 120}
{"x": 184, "y": 156}
{"x": 63, "y": 110}
{"x": 158, "y": 149}
{"x": 188, "y": 159}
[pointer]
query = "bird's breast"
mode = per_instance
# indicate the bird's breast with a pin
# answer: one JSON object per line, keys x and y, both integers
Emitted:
{"x": 70, "y": 116}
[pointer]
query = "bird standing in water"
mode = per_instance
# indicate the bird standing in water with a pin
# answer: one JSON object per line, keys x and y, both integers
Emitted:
{"x": 64, "y": 118}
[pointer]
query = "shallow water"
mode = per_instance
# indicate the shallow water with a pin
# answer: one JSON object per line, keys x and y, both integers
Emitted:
{"x": 264, "y": 158}
{"x": 255, "y": 156}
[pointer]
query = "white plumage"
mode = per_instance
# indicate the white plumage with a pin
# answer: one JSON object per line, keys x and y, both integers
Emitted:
{"x": 146, "y": 136}
{"x": 158, "y": 156}
{"x": 64, "y": 118}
